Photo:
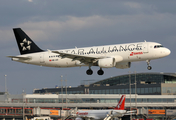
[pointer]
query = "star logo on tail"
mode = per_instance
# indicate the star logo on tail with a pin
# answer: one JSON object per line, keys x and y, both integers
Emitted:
{"x": 25, "y": 44}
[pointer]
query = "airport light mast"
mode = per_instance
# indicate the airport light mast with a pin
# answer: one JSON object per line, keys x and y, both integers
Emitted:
{"x": 62, "y": 94}
{"x": 62, "y": 91}
{"x": 135, "y": 91}
{"x": 130, "y": 92}
{"x": 5, "y": 84}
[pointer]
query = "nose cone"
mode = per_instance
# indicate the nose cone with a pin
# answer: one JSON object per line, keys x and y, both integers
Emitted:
{"x": 167, "y": 52}
{"x": 164, "y": 52}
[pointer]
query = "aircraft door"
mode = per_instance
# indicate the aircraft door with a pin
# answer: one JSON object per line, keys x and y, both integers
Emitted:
{"x": 145, "y": 47}
{"x": 42, "y": 58}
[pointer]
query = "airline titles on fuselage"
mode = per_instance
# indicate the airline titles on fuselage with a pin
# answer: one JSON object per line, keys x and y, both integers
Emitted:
{"x": 82, "y": 113}
{"x": 103, "y": 50}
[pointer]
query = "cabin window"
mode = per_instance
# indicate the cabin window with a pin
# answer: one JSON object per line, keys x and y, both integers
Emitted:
{"x": 158, "y": 46}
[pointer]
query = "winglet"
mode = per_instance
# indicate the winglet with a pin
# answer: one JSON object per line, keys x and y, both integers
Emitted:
{"x": 121, "y": 104}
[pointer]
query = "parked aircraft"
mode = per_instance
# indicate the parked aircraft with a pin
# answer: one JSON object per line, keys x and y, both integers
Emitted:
{"x": 102, "y": 114}
{"x": 108, "y": 56}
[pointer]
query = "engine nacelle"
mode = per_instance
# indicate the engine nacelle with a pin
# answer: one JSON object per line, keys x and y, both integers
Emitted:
{"x": 78, "y": 118}
{"x": 106, "y": 62}
{"x": 123, "y": 65}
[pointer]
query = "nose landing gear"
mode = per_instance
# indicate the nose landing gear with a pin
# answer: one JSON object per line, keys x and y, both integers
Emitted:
{"x": 148, "y": 63}
{"x": 149, "y": 67}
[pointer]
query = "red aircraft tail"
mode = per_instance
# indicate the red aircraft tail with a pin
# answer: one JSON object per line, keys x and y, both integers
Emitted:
{"x": 121, "y": 104}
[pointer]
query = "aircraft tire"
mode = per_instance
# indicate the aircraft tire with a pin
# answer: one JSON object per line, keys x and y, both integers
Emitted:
{"x": 89, "y": 72}
{"x": 100, "y": 72}
{"x": 149, "y": 67}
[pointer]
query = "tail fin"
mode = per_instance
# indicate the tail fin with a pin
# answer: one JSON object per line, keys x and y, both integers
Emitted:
{"x": 121, "y": 104}
{"x": 25, "y": 44}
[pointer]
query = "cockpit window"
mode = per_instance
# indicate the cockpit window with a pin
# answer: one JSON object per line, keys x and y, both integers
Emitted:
{"x": 158, "y": 46}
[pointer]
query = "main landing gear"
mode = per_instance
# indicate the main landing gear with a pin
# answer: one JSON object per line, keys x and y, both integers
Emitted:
{"x": 99, "y": 72}
{"x": 89, "y": 72}
{"x": 148, "y": 63}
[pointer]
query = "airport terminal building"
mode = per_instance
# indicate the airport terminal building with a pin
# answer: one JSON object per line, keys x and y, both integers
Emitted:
{"x": 155, "y": 97}
{"x": 146, "y": 84}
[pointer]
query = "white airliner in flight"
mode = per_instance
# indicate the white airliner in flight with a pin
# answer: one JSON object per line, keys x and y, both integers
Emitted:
{"x": 108, "y": 56}
{"x": 101, "y": 114}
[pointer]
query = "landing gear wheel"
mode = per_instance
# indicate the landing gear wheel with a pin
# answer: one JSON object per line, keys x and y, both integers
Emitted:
{"x": 100, "y": 72}
{"x": 148, "y": 63}
{"x": 149, "y": 67}
{"x": 89, "y": 72}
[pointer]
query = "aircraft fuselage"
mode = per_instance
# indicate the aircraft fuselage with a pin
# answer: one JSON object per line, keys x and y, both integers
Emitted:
{"x": 130, "y": 52}
{"x": 108, "y": 56}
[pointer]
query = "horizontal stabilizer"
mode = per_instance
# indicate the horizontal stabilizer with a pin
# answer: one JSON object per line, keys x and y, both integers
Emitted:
{"x": 20, "y": 58}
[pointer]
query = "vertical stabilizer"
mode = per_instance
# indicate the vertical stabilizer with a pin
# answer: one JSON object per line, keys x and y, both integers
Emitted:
{"x": 121, "y": 104}
{"x": 25, "y": 44}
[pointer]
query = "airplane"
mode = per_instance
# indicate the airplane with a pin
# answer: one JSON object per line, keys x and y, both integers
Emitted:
{"x": 108, "y": 56}
{"x": 118, "y": 111}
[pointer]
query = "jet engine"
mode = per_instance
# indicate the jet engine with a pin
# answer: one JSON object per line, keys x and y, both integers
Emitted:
{"x": 123, "y": 65}
{"x": 106, "y": 62}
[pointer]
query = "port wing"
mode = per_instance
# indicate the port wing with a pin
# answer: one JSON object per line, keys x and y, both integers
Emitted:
{"x": 81, "y": 58}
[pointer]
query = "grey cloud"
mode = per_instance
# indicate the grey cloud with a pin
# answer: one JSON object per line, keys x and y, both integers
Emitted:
{"x": 15, "y": 12}
{"x": 65, "y": 24}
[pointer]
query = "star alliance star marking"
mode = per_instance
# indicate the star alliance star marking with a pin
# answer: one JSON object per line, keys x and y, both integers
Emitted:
{"x": 26, "y": 44}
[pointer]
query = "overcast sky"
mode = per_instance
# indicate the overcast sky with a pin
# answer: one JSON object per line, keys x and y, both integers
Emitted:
{"x": 60, "y": 24}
